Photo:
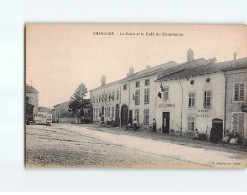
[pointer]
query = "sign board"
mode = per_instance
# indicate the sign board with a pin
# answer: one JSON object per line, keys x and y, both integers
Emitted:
{"x": 166, "y": 105}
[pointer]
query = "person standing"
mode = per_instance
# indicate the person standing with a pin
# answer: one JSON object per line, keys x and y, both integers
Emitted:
{"x": 154, "y": 125}
{"x": 135, "y": 125}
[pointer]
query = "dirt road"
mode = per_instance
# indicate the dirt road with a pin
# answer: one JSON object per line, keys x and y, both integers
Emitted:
{"x": 66, "y": 145}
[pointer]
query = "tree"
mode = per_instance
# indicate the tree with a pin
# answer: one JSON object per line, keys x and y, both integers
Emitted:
{"x": 77, "y": 103}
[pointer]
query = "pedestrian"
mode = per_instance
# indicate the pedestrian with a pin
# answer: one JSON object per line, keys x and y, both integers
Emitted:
{"x": 154, "y": 125}
{"x": 135, "y": 125}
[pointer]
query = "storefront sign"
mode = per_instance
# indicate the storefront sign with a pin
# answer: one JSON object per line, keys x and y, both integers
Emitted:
{"x": 203, "y": 113}
{"x": 166, "y": 105}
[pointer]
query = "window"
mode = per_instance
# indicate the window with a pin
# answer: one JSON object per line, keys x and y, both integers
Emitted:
{"x": 137, "y": 97}
{"x": 137, "y": 84}
{"x": 125, "y": 87}
{"x": 105, "y": 112}
{"x": 96, "y": 114}
{"x": 99, "y": 113}
{"x": 207, "y": 99}
{"x": 191, "y": 123}
{"x": 166, "y": 93}
{"x": 137, "y": 115}
{"x": 238, "y": 123}
{"x": 147, "y": 82}
{"x": 109, "y": 112}
{"x": 117, "y": 95}
{"x": 99, "y": 98}
{"x": 112, "y": 112}
{"x": 192, "y": 97}
{"x": 146, "y": 96}
{"x": 112, "y": 97}
{"x": 192, "y": 82}
{"x": 146, "y": 117}
{"x": 239, "y": 92}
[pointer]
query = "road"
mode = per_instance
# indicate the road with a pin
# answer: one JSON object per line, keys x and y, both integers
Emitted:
{"x": 67, "y": 145}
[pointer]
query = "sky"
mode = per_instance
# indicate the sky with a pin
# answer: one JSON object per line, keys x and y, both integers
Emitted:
{"x": 59, "y": 57}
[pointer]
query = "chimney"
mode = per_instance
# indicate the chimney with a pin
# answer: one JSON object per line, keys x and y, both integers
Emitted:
{"x": 102, "y": 80}
{"x": 148, "y": 67}
{"x": 212, "y": 61}
{"x": 190, "y": 55}
{"x": 131, "y": 71}
{"x": 235, "y": 56}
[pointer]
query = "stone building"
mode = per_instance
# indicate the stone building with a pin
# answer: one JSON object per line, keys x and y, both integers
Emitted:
{"x": 33, "y": 95}
{"x": 128, "y": 98}
{"x": 200, "y": 94}
{"x": 60, "y": 110}
{"x": 236, "y": 96}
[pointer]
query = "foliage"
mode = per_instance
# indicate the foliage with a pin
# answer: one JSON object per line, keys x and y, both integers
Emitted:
{"x": 77, "y": 101}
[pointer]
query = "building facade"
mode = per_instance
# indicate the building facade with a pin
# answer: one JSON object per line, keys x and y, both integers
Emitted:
{"x": 33, "y": 96}
{"x": 60, "y": 110}
{"x": 236, "y": 97}
{"x": 129, "y": 98}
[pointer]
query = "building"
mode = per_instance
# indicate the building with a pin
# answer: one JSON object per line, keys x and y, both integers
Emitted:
{"x": 236, "y": 96}
{"x": 138, "y": 94}
{"x": 106, "y": 101}
{"x": 199, "y": 95}
{"x": 128, "y": 98}
{"x": 60, "y": 110}
{"x": 33, "y": 98}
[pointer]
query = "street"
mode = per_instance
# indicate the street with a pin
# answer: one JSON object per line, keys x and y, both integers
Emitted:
{"x": 81, "y": 146}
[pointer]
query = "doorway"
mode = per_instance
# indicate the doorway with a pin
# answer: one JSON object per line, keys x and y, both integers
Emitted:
{"x": 124, "y": 115}
{"x": 165, "y": 122}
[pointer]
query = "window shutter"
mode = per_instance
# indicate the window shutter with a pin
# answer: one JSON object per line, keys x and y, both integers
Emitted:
{"x": 241, "y": 123}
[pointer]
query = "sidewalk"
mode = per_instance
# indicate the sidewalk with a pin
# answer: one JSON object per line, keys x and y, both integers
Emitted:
{"x": 147, "y": 134}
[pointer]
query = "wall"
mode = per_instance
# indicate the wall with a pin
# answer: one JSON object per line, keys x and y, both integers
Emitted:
{"x": 34, "y": 99}
{"x": 127, "y": 97}
{"x": 203, "y": 115}
{"x": 231, "y": 105}
{"x": 94, "y": 98}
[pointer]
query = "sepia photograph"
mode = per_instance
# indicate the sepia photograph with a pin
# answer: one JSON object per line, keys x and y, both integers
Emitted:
{"x": 135, "y": 96}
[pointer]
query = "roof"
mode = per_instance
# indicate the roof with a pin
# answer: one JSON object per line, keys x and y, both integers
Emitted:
{"x": 44, "y": 109}
{"x": 190, "y": 71}
{"x": 182, "y": 67}
{"x": 143, "y": 73}
{"x": 67, "y": 102}
{"x": 30, "y": 89}
{"x": 151, "y": 71}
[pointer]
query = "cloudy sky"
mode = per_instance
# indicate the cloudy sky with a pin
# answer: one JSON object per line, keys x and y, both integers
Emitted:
{"x": 59, "y": 57}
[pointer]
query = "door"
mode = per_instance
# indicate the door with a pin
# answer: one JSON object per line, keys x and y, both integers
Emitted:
{"x": 130, "y": 117}
{"x": 124, "y": 115}
{"x": 165, "y": 122}
{"x": 216, "y": 133}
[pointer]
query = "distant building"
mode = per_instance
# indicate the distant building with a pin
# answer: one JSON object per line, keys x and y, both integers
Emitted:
{"x": 236, "y": 96}
{"x": 32, "y": 94}
{"x": 60, "y": 110}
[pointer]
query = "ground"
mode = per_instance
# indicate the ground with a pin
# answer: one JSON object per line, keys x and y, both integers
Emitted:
{"x": 69, "y": 145}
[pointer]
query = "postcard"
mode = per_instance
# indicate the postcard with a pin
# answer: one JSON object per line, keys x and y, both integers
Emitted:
{"x": 135, "y": 96}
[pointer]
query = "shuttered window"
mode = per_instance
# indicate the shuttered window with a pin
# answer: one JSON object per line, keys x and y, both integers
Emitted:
{"x": 137, "y": 115}
{"x": 192, "y": 97}
{"x": 191, "y": 123}
{"x": 239, "y": 92}
{"x": 238, "y": 122}
{"x": 112, "y": 112}
{"x": 207, "y": 99}
{"x": 166, "y": 93}
{"x": 137, "y": 97}
{"x": 146, "y": 96}
{"x": 146, "y": 117}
